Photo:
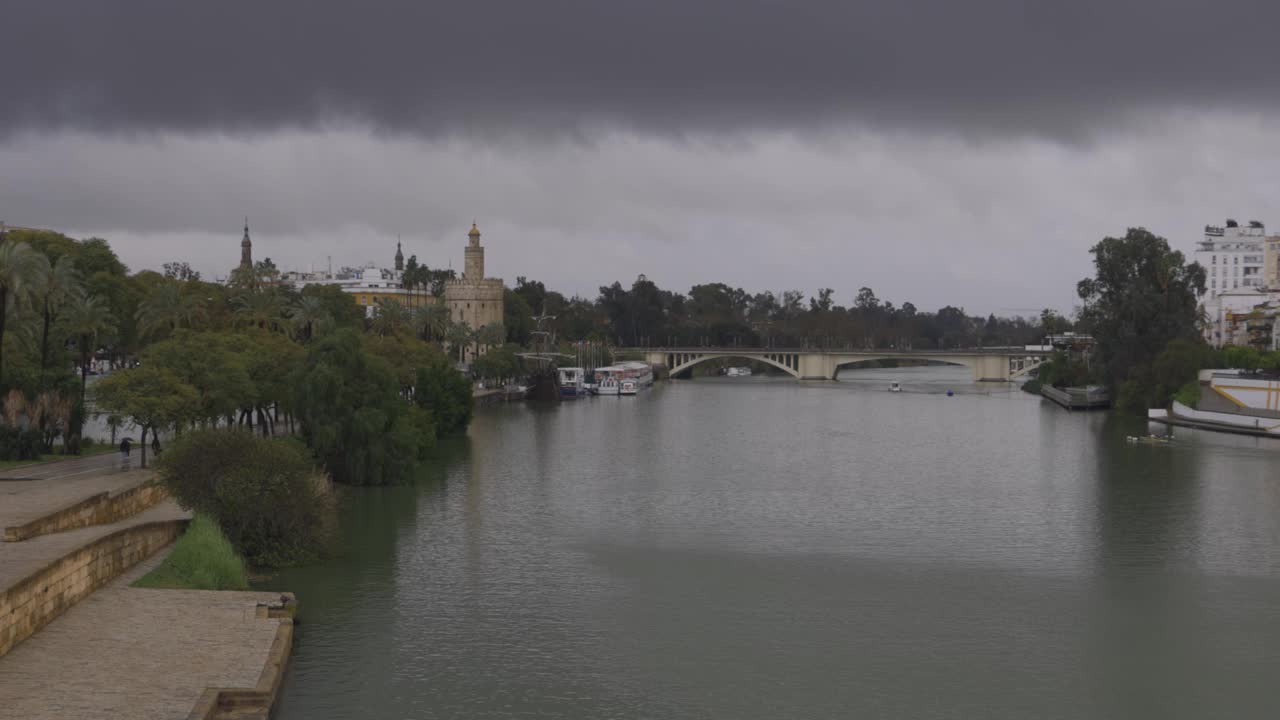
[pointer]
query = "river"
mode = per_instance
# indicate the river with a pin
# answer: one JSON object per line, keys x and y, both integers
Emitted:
{"x": 764, "y": 548}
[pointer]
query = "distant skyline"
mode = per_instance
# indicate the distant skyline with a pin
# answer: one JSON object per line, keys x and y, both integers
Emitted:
{"x": 938, "y": 152}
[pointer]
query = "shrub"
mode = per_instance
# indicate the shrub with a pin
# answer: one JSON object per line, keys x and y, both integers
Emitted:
{"x": 20, "y": 444}
{"x": 265, "y": 494}
{"x": 202, "y": 559}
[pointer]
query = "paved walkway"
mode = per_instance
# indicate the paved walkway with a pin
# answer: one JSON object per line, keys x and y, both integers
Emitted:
{"x": 103, "y": 464}
{"x": 132, "y": 653}
{"x": 20, "y": 559}
{"x": 24, "y": 500}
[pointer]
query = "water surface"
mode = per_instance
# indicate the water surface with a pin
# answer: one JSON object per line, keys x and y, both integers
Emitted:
{"x": 764, "y": 548}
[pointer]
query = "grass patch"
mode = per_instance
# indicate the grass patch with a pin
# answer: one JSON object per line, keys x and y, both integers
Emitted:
{"x": 202, "y": 559}
{"x": 1189, "y": 394}
{"x": 1032, "y": 386}
{"x": 96, "y": 449}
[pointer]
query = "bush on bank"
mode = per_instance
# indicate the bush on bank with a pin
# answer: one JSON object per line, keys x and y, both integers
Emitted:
{"x": 265, "y": 494}
{"x": 202, "y": 559}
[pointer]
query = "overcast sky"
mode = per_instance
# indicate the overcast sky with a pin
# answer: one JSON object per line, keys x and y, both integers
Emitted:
{"x": 937, "y": 151}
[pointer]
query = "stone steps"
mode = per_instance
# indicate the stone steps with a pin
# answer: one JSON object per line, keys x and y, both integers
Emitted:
{"x": 100, "y": 508}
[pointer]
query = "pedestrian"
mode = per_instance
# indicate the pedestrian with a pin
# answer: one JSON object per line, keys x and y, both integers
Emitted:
{"x": 125, "y": 445}
{"x": 155, "y": 443}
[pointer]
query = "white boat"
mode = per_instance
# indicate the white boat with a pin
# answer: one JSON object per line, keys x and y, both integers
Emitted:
{"x": 628, "y": 387}
{"x": 738, "y": 372}
{"x": 571, "y": 380}
{"x": 641, "y": 372}
{"x": 895, "y": 386}
{"x": 607, "y": 379}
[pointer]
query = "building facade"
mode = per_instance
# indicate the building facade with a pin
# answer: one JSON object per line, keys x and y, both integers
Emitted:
{"x": 473, "y": 299}
{"x": 1271, "y": 263}
{"x": 1233, "y": 256}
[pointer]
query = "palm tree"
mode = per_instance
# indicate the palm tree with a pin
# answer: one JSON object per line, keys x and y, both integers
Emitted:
{"x": 61, "y": 284}
{"x": 458, "y": 335}
{"x": 431, "y": 321}
{"x": 167, "y": 308}
{"x": 265, "y": 309}
{"x": 489, "y": 336}
{"x": 309, "y": 316}
{"x": 391, "y": 318}
{"x": 87, "y": 319}
{"x": 20, "y": 273}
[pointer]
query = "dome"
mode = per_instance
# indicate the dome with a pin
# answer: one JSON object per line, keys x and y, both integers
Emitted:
{"x": 475, "y": 231}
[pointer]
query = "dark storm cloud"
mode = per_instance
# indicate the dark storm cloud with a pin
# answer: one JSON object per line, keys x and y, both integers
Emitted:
{"x": 431, "y": 68}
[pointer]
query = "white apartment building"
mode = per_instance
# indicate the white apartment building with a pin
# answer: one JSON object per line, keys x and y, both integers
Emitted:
{"x": 1233, "y": 257}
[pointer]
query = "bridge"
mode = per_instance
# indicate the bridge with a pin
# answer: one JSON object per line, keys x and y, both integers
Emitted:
{"x": 990, "y": 364}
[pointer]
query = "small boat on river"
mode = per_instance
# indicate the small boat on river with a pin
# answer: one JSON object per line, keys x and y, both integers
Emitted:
{"x": 571, "y": 382}
{"x": 895, "y": 386}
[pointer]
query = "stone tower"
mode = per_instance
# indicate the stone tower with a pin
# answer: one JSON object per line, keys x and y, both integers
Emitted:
{"x": 399, "y": 257}
{"x": 246, "y": 248}
{"x": 473, "y": 299}
{"x": 474, "y": 268}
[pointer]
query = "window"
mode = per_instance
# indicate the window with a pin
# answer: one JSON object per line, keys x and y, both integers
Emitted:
{"x": 1236, "y": 260}
{"x": 1213, "y": 284}
{"x": 1214, "y": 260}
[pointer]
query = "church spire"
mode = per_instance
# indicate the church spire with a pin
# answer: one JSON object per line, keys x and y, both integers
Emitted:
{"x": 399, "y": 257}
{"x": 246, "y": 248}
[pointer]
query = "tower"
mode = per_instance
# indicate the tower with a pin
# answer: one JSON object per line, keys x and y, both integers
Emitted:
{"x": 399, "y": 257}
{"x": 473, "y": 269}
{"x": 246, "y": 248}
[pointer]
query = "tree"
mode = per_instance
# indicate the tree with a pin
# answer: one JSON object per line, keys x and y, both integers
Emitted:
{"x": 446, "y": 394}
{"x": 264, "y": 309}
{"x": 391, "y": 318}
{"x": 212, "y": 365}
{"x": 20, "y": 274}
{"x": 151, "y": 397}
{"x": 1143, "y": 295}
{"x": 309, "y": 317}
{"x": 351, "y": 413}
{"x": 488, "y": 336}
{"x": 87, "y": 319}
{"x": 61, "y": 282}
{"x": 431, "y": 322}
{"x": 517, "y": 317}
{"x": 167, "y": 308}
{"x": 458, "y": 336}
{"x": 180, "y": 271}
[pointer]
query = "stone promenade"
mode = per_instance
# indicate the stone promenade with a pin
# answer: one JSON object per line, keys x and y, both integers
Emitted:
{"x": 137, "y": 653}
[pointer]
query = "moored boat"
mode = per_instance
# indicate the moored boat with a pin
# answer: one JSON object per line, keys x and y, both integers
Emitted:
{"x": 895, "y": 386}
{"x": 571, "y": 382}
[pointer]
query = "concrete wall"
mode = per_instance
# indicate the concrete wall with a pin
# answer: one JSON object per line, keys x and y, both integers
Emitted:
{"x": 1244, "y": 421}
{"x": 101, "y": 509}
{"x": 32, "y": 602}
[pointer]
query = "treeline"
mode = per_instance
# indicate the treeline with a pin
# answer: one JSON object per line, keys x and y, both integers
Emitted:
{"x": 369, "y": 396}
{"x": 719, "y": 315}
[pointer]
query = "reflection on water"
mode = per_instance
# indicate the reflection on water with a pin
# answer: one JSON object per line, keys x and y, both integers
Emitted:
{"x": 764, "y": 548}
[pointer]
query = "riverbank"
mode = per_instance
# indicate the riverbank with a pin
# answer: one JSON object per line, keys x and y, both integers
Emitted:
{"x": 190, "y": 654}
{"x": 76, "y": 534}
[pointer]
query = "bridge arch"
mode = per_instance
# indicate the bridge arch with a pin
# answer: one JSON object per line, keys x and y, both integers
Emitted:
{"x": 680, "y": 361}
